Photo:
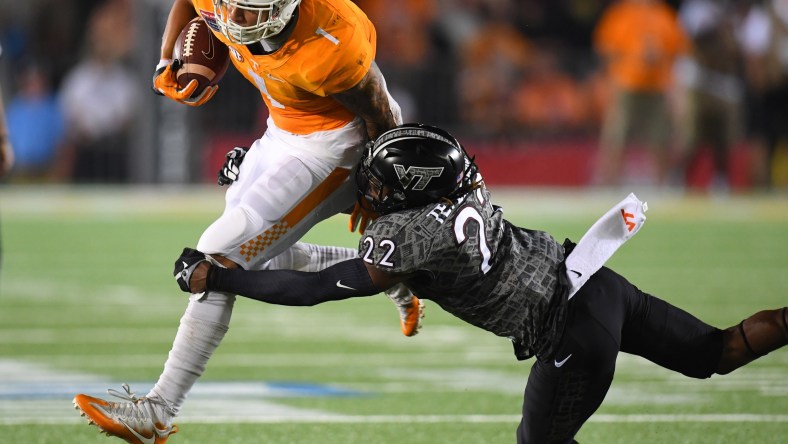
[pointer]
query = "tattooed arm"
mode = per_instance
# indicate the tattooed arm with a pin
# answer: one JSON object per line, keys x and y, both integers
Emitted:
{"x": 369, "y": 100}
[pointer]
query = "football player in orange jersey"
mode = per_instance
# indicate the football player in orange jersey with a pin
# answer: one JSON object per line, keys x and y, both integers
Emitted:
{"x": 313, "y": 63}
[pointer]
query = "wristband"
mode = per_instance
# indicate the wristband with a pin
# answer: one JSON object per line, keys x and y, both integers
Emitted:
{"x": 163, "y": 63}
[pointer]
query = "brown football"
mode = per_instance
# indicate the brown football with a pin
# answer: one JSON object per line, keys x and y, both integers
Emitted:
{"x": 202, "y": 56}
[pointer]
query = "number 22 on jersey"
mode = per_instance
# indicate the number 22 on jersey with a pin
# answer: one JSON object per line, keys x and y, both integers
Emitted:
{"x": 465, "y": 217}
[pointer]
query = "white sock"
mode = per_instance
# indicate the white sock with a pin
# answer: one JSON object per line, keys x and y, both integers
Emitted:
{"x": 200, "y": 332}
{"x": 400, "y": 295}
{"x": 207, "y": 319}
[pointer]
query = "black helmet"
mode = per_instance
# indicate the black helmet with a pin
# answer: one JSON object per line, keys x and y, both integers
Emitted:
{"x": 420, "y": 164}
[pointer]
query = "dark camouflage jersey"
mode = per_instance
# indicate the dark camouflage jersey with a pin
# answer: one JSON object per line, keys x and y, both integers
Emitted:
{"x": 503, "y": 279}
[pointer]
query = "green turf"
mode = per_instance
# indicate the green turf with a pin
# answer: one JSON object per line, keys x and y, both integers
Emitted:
{"x": 86, "y": 289}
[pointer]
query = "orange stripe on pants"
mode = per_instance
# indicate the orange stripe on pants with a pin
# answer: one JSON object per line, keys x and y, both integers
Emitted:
{"x": 251, "y": 248}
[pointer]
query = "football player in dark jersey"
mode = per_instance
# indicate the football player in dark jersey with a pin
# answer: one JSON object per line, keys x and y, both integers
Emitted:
{"x": 439, "y": 233}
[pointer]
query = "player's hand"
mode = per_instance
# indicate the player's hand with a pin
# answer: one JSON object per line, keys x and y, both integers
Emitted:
{"x": 360, "y": 217}
{"x": 165, "y": 84}
{"x": 191, "y": 271}
{"x": 232, "y": 164}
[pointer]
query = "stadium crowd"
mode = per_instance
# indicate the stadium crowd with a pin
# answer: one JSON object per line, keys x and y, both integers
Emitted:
{"x": 511, "y": 73}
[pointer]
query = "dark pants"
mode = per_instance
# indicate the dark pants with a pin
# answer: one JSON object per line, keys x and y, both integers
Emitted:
{"x": 606, "y": 316}
{"x": 775, "y": 122}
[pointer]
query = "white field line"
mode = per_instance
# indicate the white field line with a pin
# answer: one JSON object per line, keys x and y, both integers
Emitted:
{"x": 435, "y": 419}
{"x": 206, "y": 201}
{"x": 39, "y": 394}
{"x": 423, "y": 419}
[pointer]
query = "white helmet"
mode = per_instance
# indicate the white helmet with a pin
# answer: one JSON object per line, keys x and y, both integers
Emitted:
{"x": 272, "y": 17}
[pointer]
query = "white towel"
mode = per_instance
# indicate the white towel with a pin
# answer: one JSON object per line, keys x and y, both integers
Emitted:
{"x": 603, "y": 239}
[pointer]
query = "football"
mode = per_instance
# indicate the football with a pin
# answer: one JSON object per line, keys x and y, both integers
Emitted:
{"x": 201, "y": 56}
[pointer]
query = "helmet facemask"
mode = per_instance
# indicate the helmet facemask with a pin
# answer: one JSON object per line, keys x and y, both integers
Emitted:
{"x": 373, "y": 191}
{"x": 272, "y": 17}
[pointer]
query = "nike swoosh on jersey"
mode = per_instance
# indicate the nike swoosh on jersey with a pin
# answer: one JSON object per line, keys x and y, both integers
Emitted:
{"x": 559, "y": 364}
{"x": 579, "y": 274}
{"x": 340, "y": 285}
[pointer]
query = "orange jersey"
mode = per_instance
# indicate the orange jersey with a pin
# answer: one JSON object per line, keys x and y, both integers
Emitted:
{"x": 641, "y": 41}
{"x": 329, "y": 51}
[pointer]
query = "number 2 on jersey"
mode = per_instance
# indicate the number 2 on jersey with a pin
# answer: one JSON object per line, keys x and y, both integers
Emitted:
{"x": 466, "y": 216}
{"x": 385, "y": 243}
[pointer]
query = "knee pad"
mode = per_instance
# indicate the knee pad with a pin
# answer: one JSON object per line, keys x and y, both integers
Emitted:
{"x": 229, "y": 231}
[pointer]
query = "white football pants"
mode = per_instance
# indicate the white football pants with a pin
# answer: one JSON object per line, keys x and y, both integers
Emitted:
{"x": 286, "y": 184}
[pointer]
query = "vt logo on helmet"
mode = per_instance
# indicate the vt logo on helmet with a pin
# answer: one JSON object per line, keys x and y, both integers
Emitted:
{"x": 413, "y": 165}
{"x": 420, "y": 175}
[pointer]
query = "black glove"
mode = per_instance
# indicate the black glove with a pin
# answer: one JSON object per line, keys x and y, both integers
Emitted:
{"x": 232, "y": 163}
{"x": 185, "y": 266}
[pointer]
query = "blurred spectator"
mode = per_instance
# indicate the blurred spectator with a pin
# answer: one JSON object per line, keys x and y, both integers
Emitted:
{"x": 401, "y": 29}
{"x": 36, "y": 125}
{"x": 403, "y": 46}
{"x": 764, "y": 38}
{"x": 548, "y": 100}
{"x": 491, "y": 65}
{"x": 638, "y": 41}
{"x": 6, "y": 151}
{"x": 6, "y": 148}
{"x": 752, "y": 34}
{"x": 99, "y": 99}
{"x": 570, "y": 22}
{"x": 710, "y": 79}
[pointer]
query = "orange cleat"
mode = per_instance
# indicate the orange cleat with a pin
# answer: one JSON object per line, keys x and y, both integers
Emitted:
{"x": 410, "y": 316}
{"x": 145, "y": 420}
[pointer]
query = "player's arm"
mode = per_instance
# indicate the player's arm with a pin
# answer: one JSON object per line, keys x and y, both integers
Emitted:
{"x": 181, "y": 13}
{"x": 369, "y": 100}
{"x": 351, "y": 278}
{"x": 164, "y": 83}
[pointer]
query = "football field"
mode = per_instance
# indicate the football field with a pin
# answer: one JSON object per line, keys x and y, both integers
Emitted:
{"x": 87, "y": 302}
